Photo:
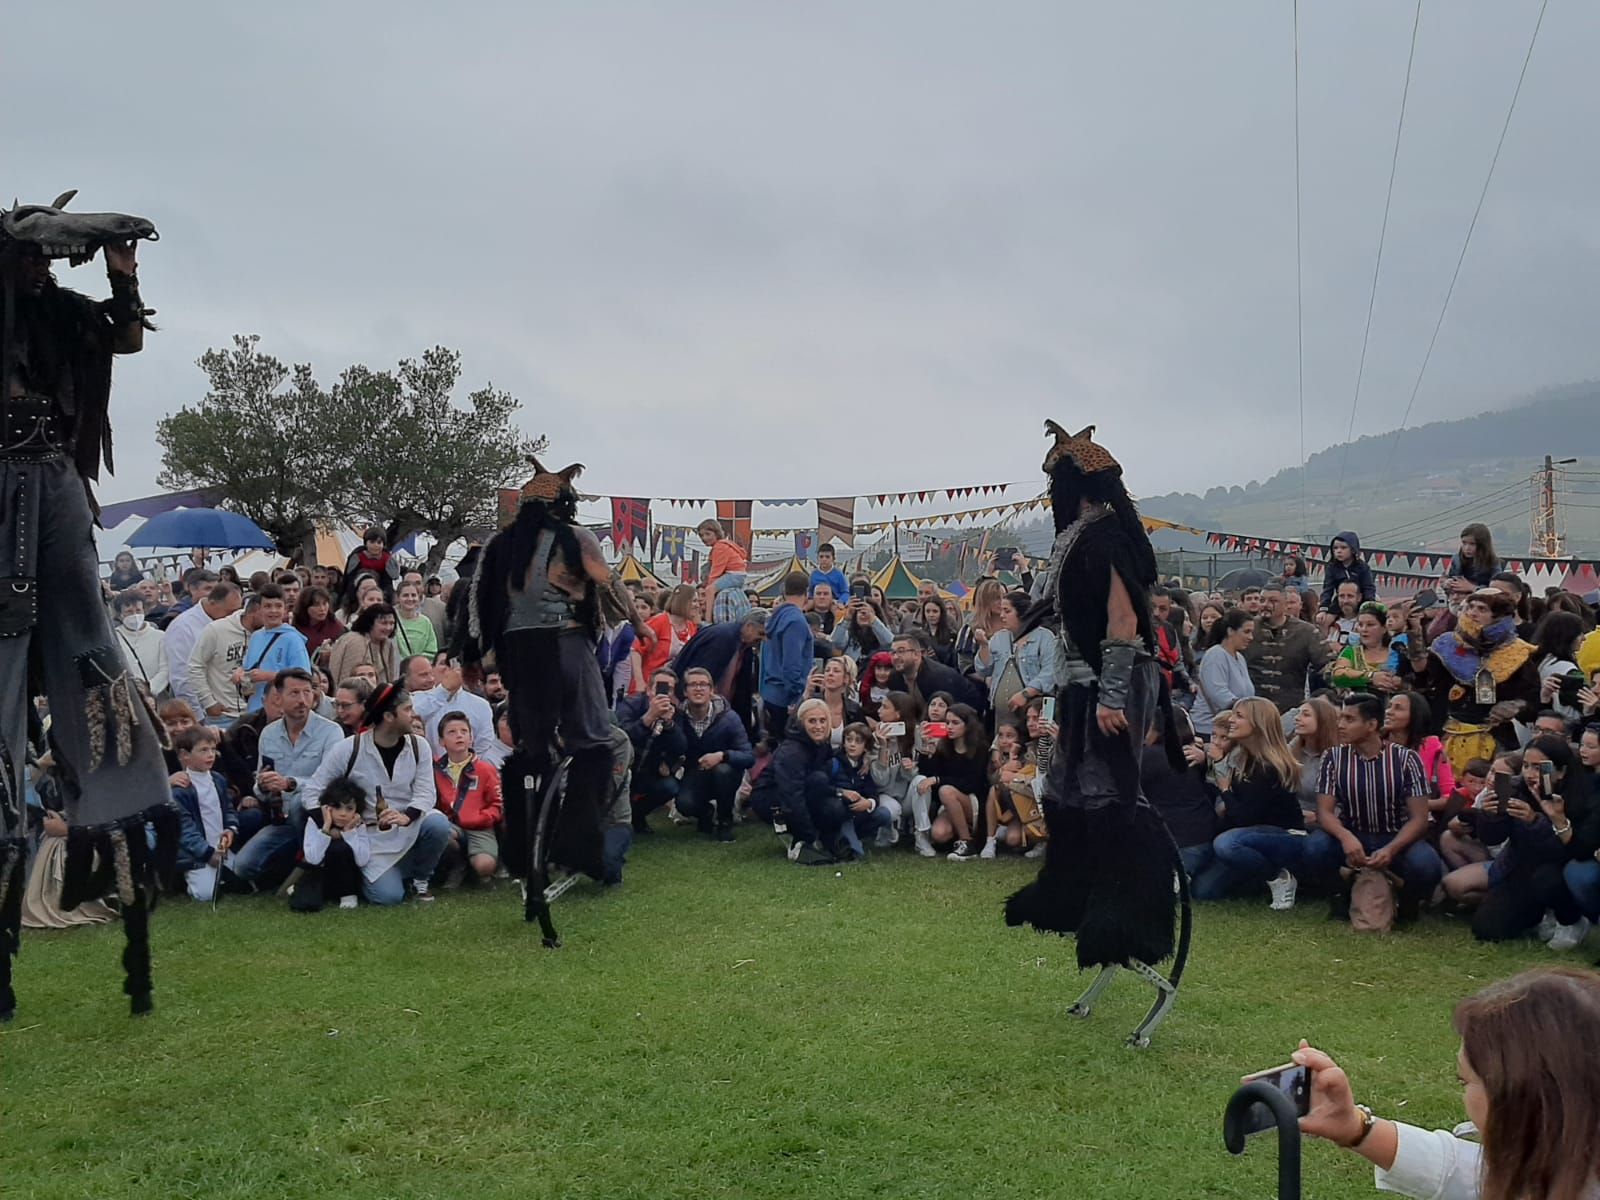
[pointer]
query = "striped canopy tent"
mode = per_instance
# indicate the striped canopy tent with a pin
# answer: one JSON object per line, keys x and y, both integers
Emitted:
{"x": 897, "y": 581}
{"x": 631, "y": 570}
{"x": 769, "y": 584}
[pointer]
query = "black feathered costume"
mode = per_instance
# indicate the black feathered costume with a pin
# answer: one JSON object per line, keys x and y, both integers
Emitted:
{"x": 1112, "y": 874}
{"x": 56, "y": 349}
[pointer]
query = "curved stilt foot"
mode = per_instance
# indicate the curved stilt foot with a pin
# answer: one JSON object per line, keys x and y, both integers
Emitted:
{"x": 1166, "y": 994}
{"x": 1085, "y": 1003}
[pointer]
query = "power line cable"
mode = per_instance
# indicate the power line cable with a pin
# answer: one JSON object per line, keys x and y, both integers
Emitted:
{"x": 1299, "y": 292}
{"x": 1462, "y": 257}
{"x": 1433, "y": 518}
{"x": 1383, "y": 233}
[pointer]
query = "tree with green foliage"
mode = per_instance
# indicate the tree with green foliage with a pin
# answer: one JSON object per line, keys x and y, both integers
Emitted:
{"x": 256, "y": 436}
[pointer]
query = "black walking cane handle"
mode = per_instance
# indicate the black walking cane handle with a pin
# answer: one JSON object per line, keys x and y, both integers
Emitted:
{"x": 1288, "y": 1121}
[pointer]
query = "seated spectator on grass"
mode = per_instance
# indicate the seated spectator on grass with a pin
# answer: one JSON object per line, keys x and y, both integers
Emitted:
{"x": 370, "y": 643}
{"x": 392, "y": 767}
{"x": 1316, "y": 731}
{"x": 1373, "y": 810}
{"x": 956, "y": 776}
{"x": 1458, "y": 840}
{"x": 729, "y": 651}
{"x": 336, "y": 850}
{"x": 834, "y": 683}
{"x": 917, "y": 672}
{"x": 210, "y": 824}
{"x": 313, "y": 617}
{"x": 143, "y": 645}
{"x": 1263, "y": 832}
{"x": 469, "y": 795}
{"x": 1530, "y": 1071}
{"x": 1224, "y": 675}
{"x": 1547, "y": 819}
{"x": 894, "y": 764}
{"x": 274, "y": 646}
{"x": 876, "y": 673}
{"x": 438, "y": 690}
{"x": 651, "y": 722}
{"x": 862, "y": 633}
{"x": 1013, "y": 816}
{"x": 1345, "y": 565}
{"x": 1018, "y": 666}
{"x": 716, "y": 755}
{"x": 796, "y": 793}
{"x": 290, "y": 750}
{"x": 724, "y": 598}
{"x": 1408, "y": 721}
{"x": 865, "y": 815}
{"x": 1185, "y": 799}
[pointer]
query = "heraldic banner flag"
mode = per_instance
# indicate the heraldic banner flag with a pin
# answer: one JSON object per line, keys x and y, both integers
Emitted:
{"x": 836, "y": 519}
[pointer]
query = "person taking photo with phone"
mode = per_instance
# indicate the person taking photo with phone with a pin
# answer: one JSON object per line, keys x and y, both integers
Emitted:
{"x": 1529, "y": 1066}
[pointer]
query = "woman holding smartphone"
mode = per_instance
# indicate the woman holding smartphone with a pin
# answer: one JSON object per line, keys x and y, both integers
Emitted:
{"x": 1529, "y": 1066}
{"x": 894, "y": 763}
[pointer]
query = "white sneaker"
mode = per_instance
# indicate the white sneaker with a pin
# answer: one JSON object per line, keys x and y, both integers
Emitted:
{"x": 925, "y": 845}
{"x": 347, "y": 901}
{"x": 1547, "y": 926}
{"x": 1035, "y": 851}
{"x": 988, "y": 850}
{"x": 1283, "y": 888}
{"x": 1570, "y": 937}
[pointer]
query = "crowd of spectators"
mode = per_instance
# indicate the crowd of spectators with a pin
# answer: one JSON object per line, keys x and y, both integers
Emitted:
{"x": 1446, "y": 741}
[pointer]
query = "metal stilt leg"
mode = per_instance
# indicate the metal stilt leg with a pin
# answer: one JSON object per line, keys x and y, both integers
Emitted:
{"x": 1166, "y": 993}
{"x": 1085, "y": 1003}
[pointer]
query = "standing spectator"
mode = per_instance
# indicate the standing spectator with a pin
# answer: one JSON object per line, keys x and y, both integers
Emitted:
{"x": 214, "y": 666}
{"x": 125, "y": 573}
{"x": 673, "y": 627}
{"x": 1339, "y": 622}
{"x": 413, "y": 631}
{"x": 1224, "y": 676}
{"x": 862, "y": 633}
{"x": 787, "y": 655}
{"x": 1345, "y": 563}
{"x": 1019, "y": 667}
{"x": 939, "y": 624}
{"x": 1169, "y": 643}
{"x": 1283, "y": 651}
{"x": 1474, "y": 564}
{"x": 1210, "y": 613}
{"x": 369, "y": 643}
{"x": 469, "y": 795}
{"x": 826, "y": 572}
{"x": 313, "y": 617}
{"x": 290, "y": 750}
{"x": 1373, "y": 808}
{"x": 1263, "y": 830}
{"x": 982, "y": 623}
{"x": 916, "y": 671}
{"x": 143, "y": 645}
{"x": 824, "y": 606}
{"x": 292, "y": 586}
{"x": 614, "y": 652}
{"x": 374, "y": 557}
{"x": 724, "y": 598}
{"x": 274, "y": 646}
{"x": 716, "y": 756}
{"x": 431, "y": 607}
{"x": 1555, "y": 650}
{"x": 392, "y": 767}
{"x": 183, "y": 634}
{"x": 1366, "y": 664}
{"x": 730, "y": 651}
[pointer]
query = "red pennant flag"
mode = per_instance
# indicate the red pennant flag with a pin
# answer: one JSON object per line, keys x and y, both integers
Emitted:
{"x": 630, "y": 521}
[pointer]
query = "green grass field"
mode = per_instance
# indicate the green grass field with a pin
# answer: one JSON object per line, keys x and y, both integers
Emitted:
{"x": 725, "y": 1025}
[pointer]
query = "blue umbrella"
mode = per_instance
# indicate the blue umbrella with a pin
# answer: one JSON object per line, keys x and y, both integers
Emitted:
{"x": 202, "y": 528}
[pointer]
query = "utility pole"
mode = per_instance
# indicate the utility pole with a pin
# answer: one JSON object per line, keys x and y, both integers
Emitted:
{"x": 1547, "y": 540}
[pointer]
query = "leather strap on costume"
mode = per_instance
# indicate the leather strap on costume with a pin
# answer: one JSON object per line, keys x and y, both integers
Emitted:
{"x": 1117, "y": 659}
{"x": 125, "y": 307}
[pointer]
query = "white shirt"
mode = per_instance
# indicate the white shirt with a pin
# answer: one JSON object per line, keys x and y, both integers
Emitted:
{"x": 435, "y": 702}
{"x": 316, "y": 843}
{"x": 182, "y": 635}
{"x": 1432, "y": 1164}
{"x": 205, "y": 790}
{"x": 411, "y": 786}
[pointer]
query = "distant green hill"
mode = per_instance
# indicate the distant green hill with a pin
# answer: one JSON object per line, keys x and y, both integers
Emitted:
{"x": 1439, "y": 477}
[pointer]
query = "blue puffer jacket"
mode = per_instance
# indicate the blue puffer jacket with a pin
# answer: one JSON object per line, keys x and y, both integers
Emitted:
{"x": 193, "y": 850}
{"x": 1355, "y": 571}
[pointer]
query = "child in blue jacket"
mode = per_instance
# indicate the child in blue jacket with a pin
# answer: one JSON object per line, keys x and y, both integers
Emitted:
{"x": 852, "y": 777}
{"x": 210, "y": 824}
{"x": 1345, "y": 564}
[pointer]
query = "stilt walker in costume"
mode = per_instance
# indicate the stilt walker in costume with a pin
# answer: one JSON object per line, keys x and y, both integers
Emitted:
{"x": 538, "y": 599}
{"x": 1112, "y": 874}
{"x": 55, "y": 636}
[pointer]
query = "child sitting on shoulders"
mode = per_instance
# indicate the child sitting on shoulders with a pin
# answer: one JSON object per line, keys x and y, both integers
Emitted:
{"x": 852, "y": 779}
{"x": 210, "y": 825}
{"x": 337, "y": 845}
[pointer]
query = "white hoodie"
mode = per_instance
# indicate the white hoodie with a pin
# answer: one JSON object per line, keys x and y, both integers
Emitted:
{"x": 218, "y": 653}
{"x": 146, "y": 653}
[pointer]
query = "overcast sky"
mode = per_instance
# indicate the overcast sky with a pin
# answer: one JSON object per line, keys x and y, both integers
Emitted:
{"x": 812, "y": 249}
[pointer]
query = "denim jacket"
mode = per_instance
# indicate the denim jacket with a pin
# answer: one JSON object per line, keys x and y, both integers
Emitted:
{"x": 1035, "y": 655}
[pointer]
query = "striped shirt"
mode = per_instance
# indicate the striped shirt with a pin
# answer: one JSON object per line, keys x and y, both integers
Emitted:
{"x": 1370, "y": 794}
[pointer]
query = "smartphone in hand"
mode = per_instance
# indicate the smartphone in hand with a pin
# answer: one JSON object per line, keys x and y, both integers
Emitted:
{"x": 1293, "y": 1080}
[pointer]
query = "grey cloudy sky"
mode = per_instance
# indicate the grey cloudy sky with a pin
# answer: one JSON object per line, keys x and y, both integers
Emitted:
{"x": 802, "y": 249}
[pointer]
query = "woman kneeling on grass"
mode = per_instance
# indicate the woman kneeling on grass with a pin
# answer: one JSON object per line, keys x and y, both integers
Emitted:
{"x": 1529, "y": 1066}
{"x": 957, "y": 774}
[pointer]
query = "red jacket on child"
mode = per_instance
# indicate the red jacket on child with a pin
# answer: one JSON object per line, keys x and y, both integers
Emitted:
{"x": 474, "y": 803}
